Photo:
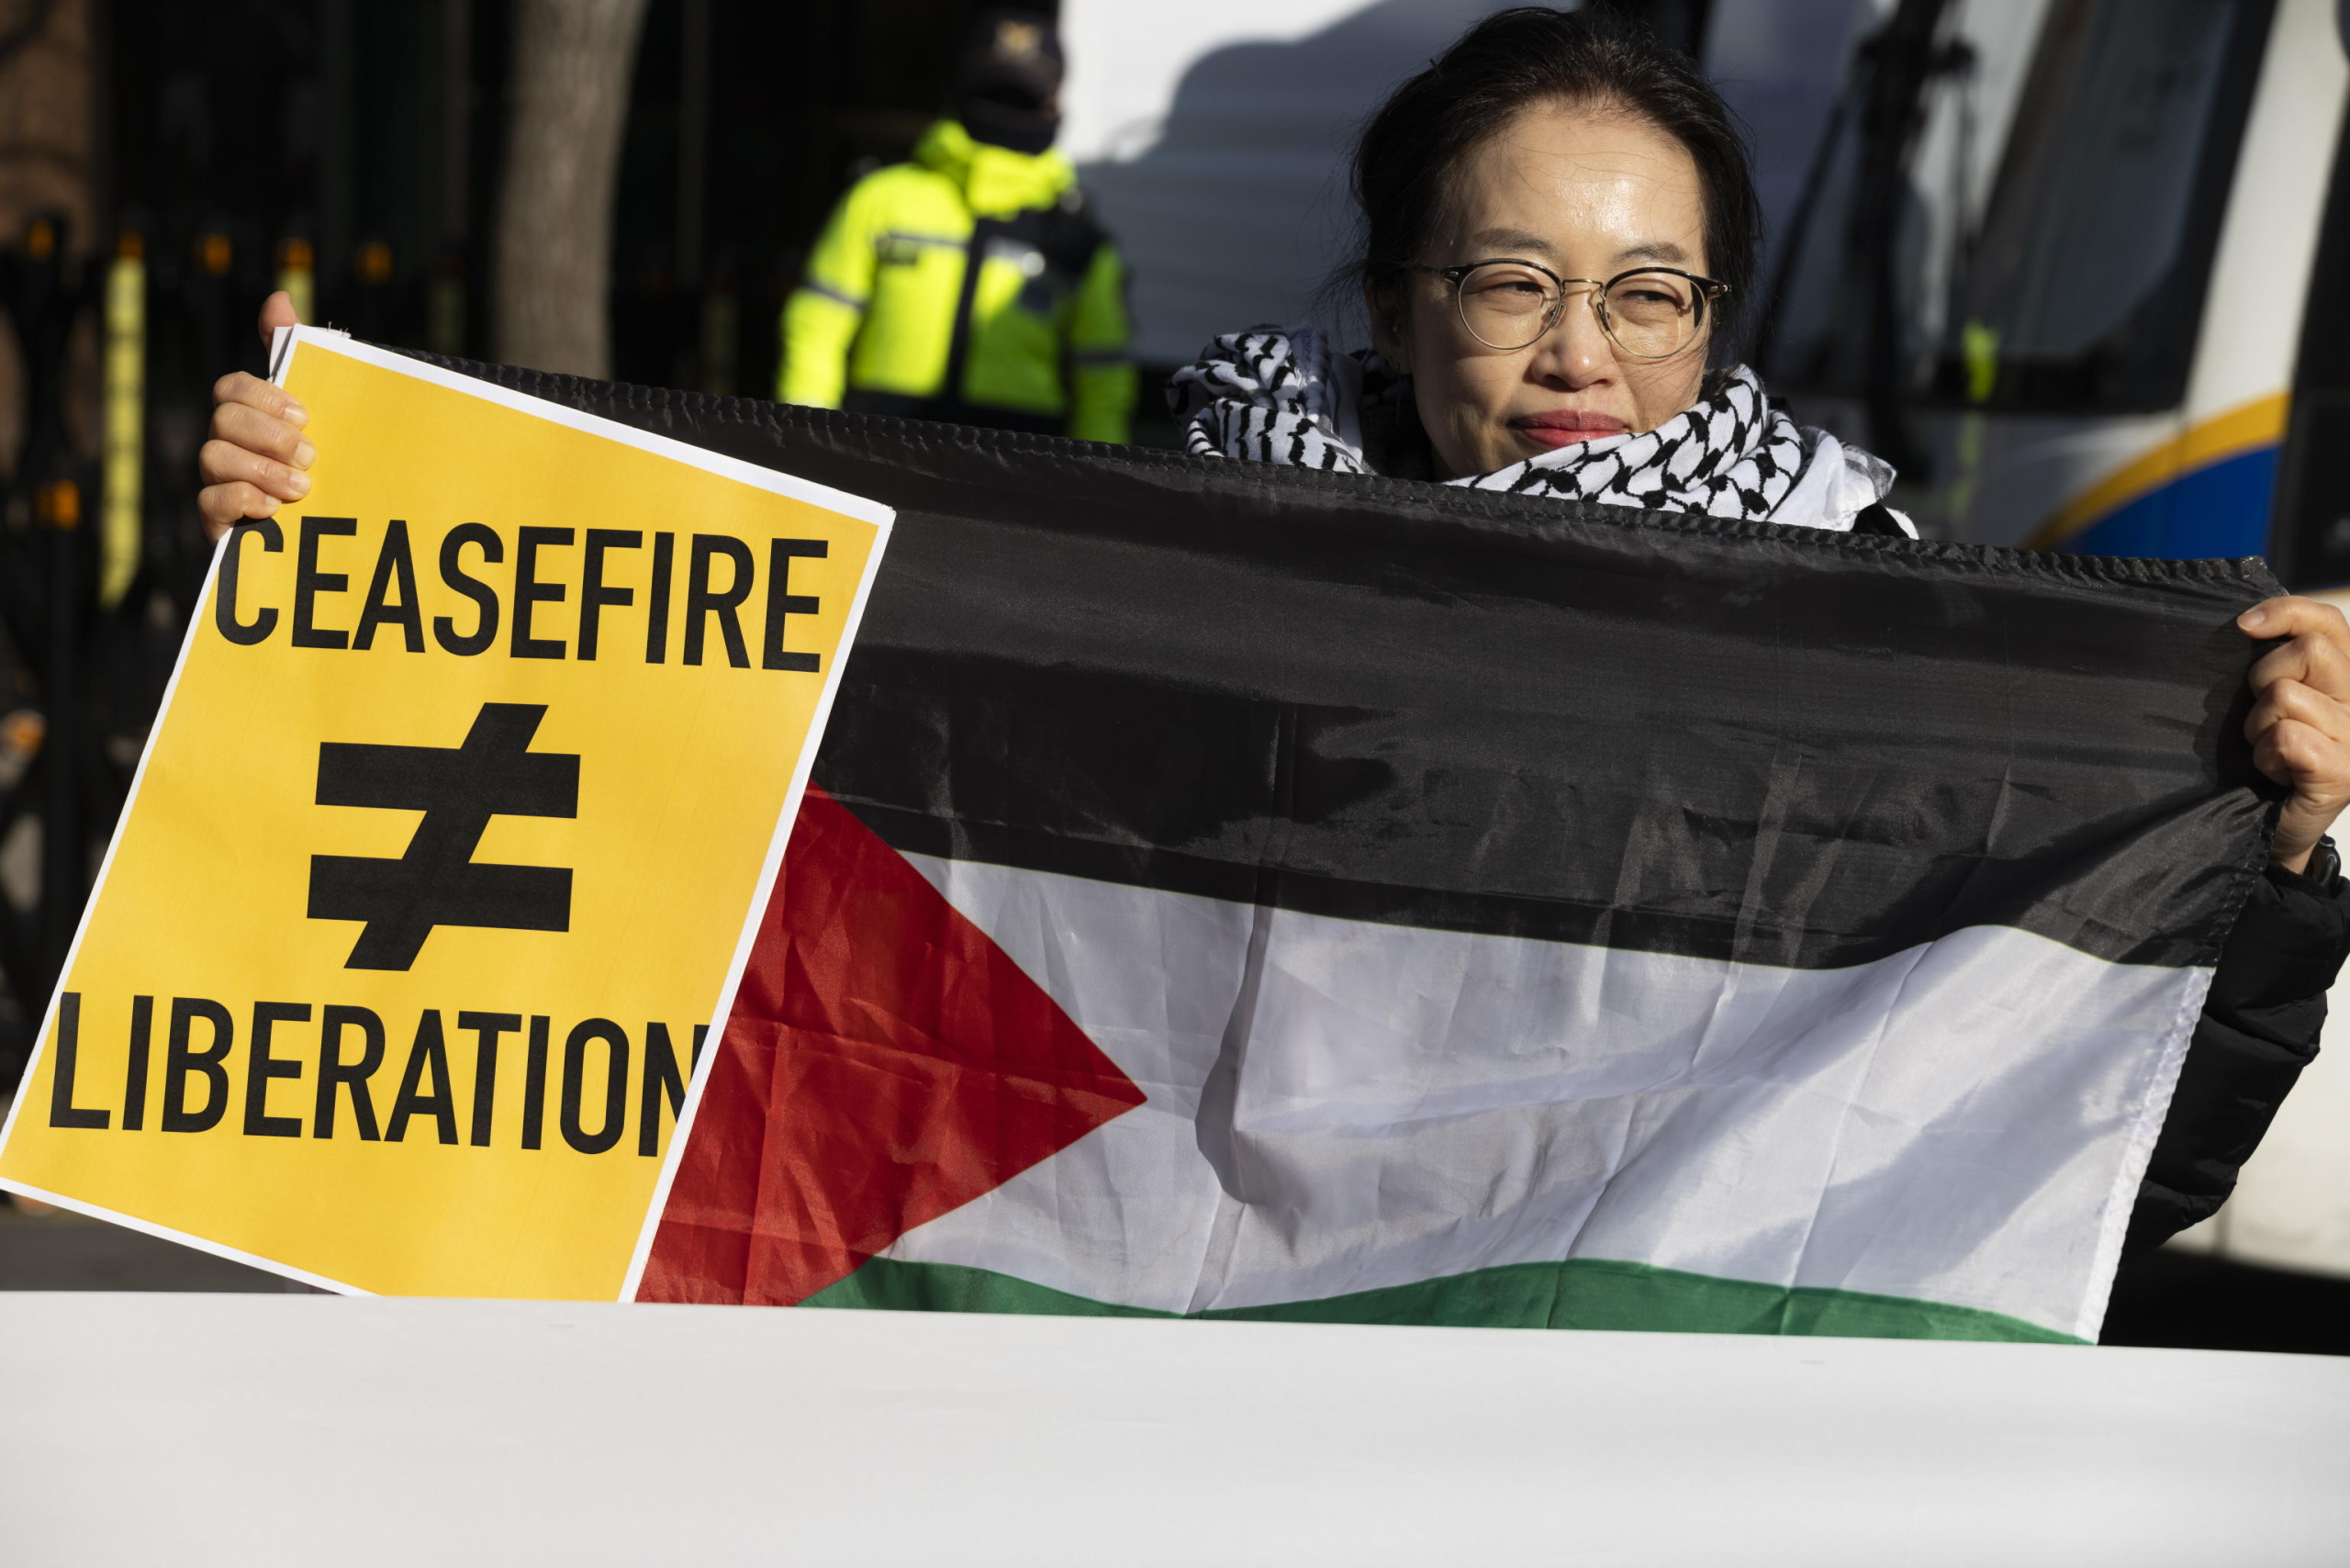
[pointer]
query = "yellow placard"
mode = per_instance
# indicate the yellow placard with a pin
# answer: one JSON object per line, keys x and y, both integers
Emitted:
{"x": 448, "y": 845}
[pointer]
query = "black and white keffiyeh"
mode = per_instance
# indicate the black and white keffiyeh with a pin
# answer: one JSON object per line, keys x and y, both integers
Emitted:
{"x": 1272, "y": 394}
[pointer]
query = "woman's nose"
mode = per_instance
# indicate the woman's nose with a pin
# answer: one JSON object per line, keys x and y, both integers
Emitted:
{"x": 1574, "y": 352}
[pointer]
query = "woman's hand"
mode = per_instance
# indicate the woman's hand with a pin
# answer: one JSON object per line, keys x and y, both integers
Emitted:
{"x": 256, "y": 457}
{"x": 2300, "y": 727}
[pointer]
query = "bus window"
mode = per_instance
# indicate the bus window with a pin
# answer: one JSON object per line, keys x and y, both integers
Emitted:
{"x": 2310, "y": 544}
{"x": 2080, "y": 287}
{"x": 2089, "y": 273}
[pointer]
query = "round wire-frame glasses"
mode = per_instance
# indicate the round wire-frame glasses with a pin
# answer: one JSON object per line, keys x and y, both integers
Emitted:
{"x": 1504, "y": 297}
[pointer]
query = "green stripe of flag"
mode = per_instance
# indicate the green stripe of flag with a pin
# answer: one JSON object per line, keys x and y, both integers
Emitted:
{"x": 1581, "y": 1292}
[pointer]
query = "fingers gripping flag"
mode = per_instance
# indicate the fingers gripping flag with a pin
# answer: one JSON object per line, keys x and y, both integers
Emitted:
{"x": 1237, "y": 892}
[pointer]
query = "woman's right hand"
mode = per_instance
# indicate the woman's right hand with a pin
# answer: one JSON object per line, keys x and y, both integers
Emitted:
{"x": 257, "y": 456}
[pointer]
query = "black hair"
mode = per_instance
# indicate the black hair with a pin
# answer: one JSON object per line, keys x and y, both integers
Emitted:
{"x": 1533, "y": 54}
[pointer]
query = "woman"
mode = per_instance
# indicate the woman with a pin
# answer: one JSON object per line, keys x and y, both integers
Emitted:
{"x": 1561, "y": 232}
{"x": 1560, "y": 224}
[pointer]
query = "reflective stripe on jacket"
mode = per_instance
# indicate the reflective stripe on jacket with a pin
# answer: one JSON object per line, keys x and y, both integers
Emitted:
{"x": 1047, "y": 336}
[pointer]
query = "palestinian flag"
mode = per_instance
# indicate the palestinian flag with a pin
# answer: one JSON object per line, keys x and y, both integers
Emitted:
{"x": 1241, "y": 891}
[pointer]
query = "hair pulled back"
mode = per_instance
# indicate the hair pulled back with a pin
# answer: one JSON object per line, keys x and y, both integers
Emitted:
{"x": 1530, "y": 55}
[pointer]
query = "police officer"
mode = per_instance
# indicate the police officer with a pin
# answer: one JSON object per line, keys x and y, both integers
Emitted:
{"x": 972, "y": 285}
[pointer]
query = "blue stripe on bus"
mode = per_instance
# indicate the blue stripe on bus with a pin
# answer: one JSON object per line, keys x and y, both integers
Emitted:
{"x": 2219, "y": 511}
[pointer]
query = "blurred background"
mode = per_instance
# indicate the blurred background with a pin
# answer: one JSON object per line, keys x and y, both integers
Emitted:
{"x": 2076, "y": 267}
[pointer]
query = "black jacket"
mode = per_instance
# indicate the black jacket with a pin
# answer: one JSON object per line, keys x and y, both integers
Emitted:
{"x": 2260, "y": 1028}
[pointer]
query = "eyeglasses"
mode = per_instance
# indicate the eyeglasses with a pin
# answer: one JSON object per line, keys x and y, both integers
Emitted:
{"x": 1647, "y": 313}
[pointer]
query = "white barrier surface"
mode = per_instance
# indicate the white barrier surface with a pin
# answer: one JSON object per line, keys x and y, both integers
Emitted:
{"x": 190, "y": 1429}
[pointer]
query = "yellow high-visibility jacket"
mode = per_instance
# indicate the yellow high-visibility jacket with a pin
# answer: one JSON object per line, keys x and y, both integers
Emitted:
{"x": 1043, "y": 327}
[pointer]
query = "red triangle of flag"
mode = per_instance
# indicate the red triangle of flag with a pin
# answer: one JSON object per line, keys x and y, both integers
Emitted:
{"x": 885, "y": 1063}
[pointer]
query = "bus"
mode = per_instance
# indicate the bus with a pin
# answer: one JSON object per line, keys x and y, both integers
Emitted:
{"x": 2075, "y": 267}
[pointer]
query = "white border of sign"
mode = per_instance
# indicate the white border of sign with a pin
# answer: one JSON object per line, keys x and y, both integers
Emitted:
{"x": 326, "y": 339}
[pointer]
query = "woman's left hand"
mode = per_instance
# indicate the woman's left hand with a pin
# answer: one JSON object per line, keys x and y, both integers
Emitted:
{"x": 2300, "y": 727}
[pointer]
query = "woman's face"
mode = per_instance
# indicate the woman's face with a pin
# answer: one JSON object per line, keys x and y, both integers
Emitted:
{"x": 1588, "y": 194}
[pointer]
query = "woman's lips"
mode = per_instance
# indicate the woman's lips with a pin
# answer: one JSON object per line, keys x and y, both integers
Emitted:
{"x": 1566, "y": 427}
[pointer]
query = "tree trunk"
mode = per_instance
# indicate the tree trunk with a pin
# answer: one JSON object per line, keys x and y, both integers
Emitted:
{"x": 572, "y": 61}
